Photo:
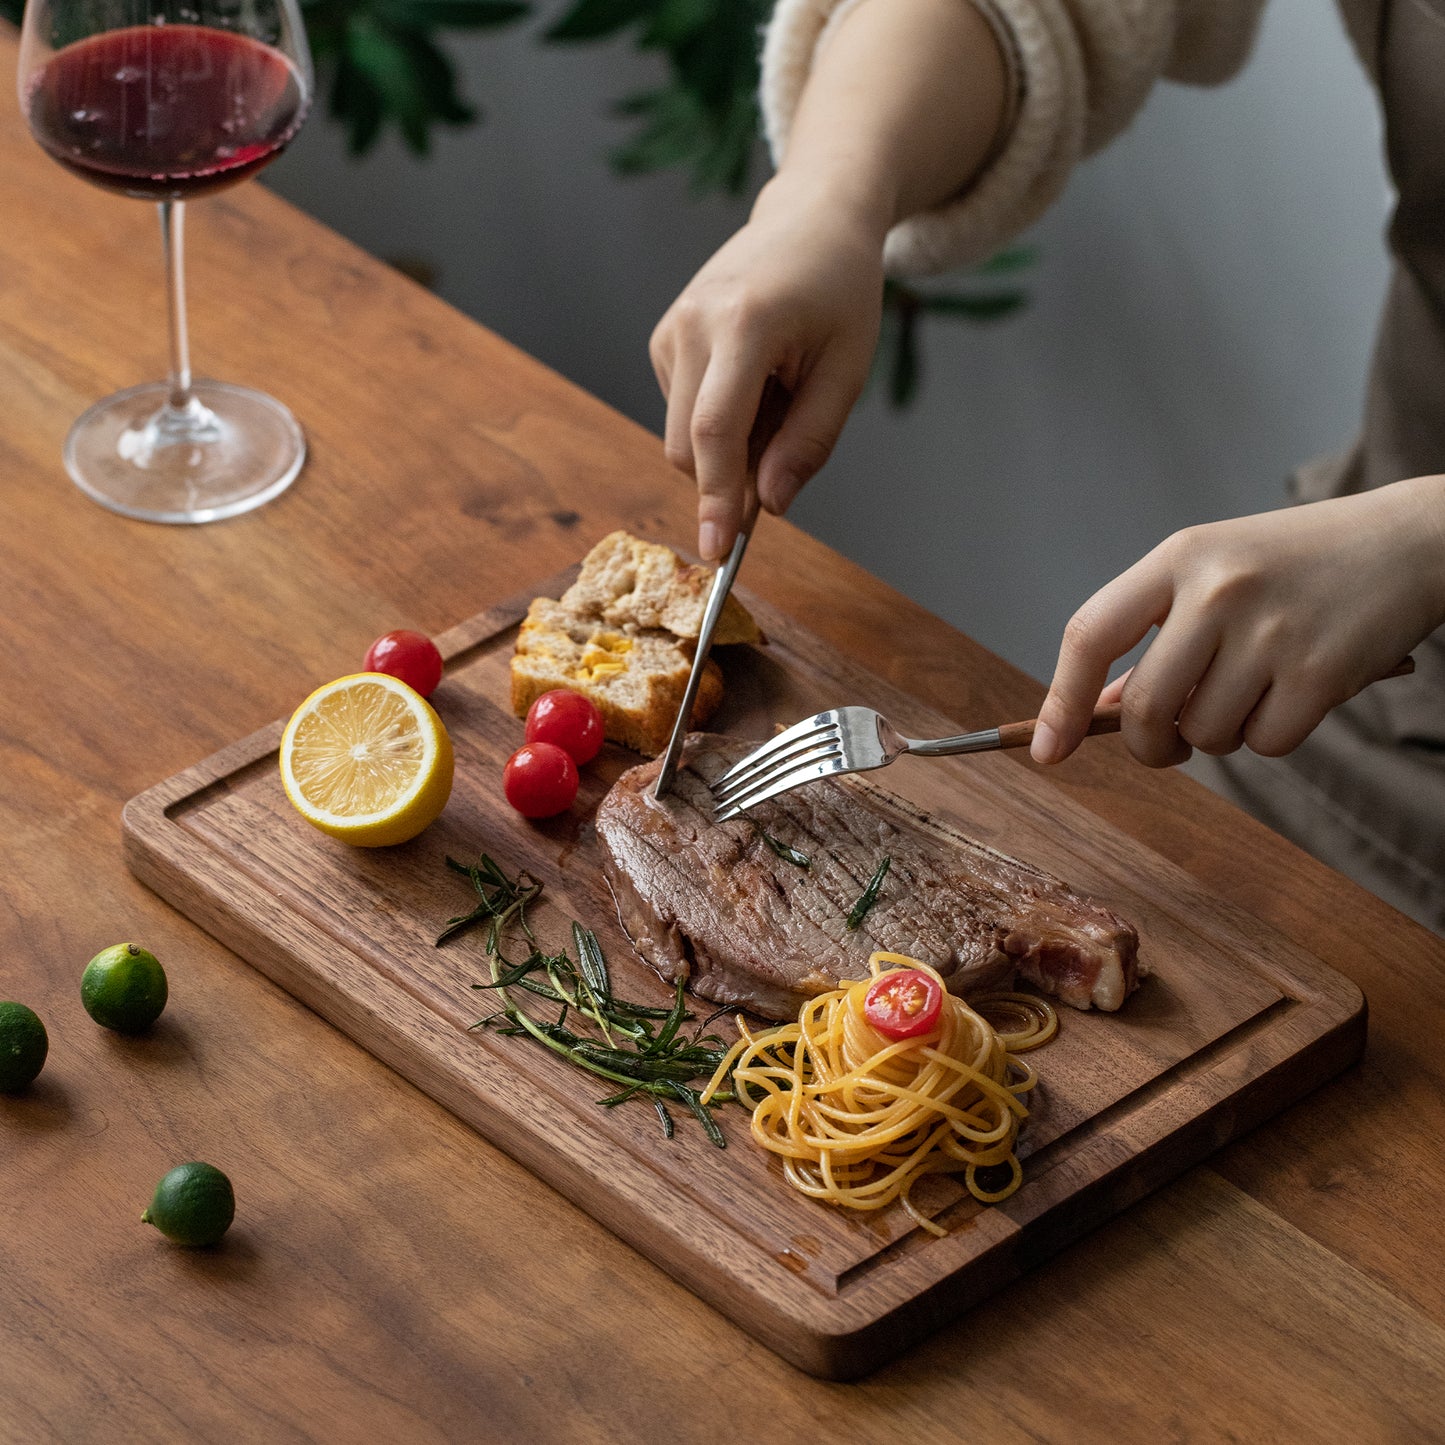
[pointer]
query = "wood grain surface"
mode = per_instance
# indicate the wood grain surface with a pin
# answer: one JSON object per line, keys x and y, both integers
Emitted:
{"x": 391, "y": 1274}
{"x": 1233, "y": 1024}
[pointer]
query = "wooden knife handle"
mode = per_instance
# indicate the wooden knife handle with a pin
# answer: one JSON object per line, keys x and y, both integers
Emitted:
{"x": 1021, "y": 734}
{"x": 1106, "y": 719}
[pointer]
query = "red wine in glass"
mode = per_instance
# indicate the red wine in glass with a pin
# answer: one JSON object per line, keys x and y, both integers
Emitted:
{"x": 167, "y": 100}
{"x": 166, "y": 112}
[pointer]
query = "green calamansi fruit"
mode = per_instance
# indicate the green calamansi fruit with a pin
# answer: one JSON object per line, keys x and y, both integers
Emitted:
{"x": 193, "y": 1205}
{"x": 124, "y": 988}
{"x": 23, "y": 1046}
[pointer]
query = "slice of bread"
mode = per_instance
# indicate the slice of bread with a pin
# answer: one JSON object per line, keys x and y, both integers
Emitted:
{"x": 626, "y": 580}
{"x": 636, "y": 676}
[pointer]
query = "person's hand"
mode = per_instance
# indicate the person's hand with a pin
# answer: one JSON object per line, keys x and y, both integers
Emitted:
{"x": 797, "y": 295}
{"x": 901, "y": 108}
{"x": 1265, "y": 624}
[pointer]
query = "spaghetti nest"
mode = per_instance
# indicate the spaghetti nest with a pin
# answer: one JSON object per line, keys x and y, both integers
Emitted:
{"x": 858, "y": 1117}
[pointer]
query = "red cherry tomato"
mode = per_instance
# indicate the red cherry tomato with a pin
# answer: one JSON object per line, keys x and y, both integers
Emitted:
{"x": 569, "y": 720}
{"x": 540, "y": 779}
{"x": 409, "y": 656}
{"x": 903, "y": 1003}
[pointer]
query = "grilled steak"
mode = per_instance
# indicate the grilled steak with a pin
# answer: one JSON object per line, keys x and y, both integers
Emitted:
{"x": 718, "y": 905}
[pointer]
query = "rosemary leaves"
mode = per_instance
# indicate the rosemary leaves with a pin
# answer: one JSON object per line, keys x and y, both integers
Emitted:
{"x": 869, "y": 895}
{"x": 786, "y": 853}
{"x": 644, "y": 1049}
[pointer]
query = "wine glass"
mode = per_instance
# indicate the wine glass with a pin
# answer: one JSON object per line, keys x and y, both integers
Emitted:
{"x": 165, "y": 100}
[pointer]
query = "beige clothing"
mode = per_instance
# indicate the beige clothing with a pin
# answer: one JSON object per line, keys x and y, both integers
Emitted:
{"x": 1082, "y": 68}
{"x": 1366, "y": 791}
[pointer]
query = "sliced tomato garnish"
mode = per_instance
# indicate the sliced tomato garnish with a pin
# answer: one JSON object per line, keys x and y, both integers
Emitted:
{"x": 903, "y": 1003}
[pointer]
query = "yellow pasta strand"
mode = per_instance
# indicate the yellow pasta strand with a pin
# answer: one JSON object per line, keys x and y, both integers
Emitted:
{"x": 858, "y": 1118}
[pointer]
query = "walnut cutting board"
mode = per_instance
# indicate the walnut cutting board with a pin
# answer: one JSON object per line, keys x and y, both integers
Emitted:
{"x": 1235, "y": 1023}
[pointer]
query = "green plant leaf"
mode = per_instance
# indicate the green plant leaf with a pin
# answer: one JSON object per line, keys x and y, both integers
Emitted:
{"x": 724, "y": 165}
{"x": 672, "y": 131}
{"x": 436, "y": 78}
{"x": 1010, "y": 259}
{"x": 674, "y": 22}
{"x": 898, "y": 357}
{"x": 383, "y": 65}
{"x": 705, "y": 117}
{"x": 990, "y": 307}
{"x": 428, "y": 15}
{"x": 593, "y": 19}
{"x": 887, "y": 342}
{"x": 412, "y": 80}
{"x": 903, "y": 378}
{"x": 357, "y": 103}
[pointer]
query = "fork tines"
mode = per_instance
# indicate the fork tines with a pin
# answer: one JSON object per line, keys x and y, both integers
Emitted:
{"x": 806, "y": 751}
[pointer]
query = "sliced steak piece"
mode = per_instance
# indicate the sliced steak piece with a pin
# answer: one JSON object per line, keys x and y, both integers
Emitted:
{"x": 714, "y": 903}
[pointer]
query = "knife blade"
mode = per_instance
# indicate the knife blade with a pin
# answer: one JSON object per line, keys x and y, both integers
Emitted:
{"x": 772, "y": 408}
{"x": 722, "y": 584}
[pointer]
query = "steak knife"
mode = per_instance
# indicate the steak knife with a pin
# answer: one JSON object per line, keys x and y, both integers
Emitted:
{"x": 772, "y": 407}
{"x": 722, "y": 584}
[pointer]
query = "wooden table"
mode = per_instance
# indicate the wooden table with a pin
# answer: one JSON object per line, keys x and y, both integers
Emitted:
{"x": 392, "y": 1276}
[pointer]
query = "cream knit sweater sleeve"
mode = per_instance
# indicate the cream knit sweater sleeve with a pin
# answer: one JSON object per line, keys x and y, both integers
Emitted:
{"x": 1081, "y": 69}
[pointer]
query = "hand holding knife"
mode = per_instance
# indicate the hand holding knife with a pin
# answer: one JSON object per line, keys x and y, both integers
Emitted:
{"x": 771, "y": 410}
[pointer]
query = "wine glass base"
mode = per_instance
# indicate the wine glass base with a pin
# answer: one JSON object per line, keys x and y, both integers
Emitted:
{"x": 230, "y": 450}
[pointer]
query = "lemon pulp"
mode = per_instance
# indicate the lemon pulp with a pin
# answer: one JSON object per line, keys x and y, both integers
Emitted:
{"x": 367, "y": 760}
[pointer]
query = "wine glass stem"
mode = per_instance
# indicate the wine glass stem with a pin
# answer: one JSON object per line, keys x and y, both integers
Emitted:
{"x": 173, "y": 242}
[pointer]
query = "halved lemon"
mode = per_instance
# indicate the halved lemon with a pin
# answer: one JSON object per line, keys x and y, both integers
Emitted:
{"x": 367, "y": 760}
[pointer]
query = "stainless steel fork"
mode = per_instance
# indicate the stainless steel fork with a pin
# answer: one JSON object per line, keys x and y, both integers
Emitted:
{"x": 858, "y": 739}
{"x": 855, "y": 740}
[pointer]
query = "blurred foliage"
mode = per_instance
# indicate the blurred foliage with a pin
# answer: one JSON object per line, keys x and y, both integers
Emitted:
{"x": 705, "y": 117}
{"x": 898, "y": 361}
{"x": 382, "y": 62}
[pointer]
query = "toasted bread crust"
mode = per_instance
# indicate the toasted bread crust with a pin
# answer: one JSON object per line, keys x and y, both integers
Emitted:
{"x": 623, "y": 635}
{"x": 626, "y": 580}
{"x": 645, "y": 731}
{"x": 635, "y": 676}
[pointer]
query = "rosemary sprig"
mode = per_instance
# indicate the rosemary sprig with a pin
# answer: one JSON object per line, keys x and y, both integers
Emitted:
{"x": 869, "y": 895}
{"x": 787, "y": 854}
{"x": 659, "y": 1062}
{"x": 589, "y": 956}
{"x": 502, "y": 899}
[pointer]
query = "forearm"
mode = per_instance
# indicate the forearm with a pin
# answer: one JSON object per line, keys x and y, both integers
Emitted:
{"x": 901, "y": 110}
{"x": 1419, "y": 516}
{"x": 900, "y": 107}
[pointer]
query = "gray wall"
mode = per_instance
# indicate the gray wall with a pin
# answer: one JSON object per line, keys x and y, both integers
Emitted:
{"x": 1201, "y": 317}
